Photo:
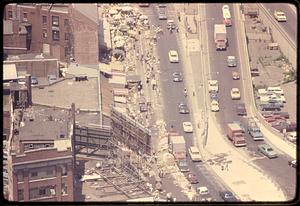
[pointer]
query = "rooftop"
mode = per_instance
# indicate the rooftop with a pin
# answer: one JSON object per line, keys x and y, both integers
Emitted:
{"x": 43, "y": 123}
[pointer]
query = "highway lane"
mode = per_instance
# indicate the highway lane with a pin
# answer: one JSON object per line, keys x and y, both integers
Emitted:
{"x": 173, "y": 94}
{"x": 290, "y": 26}
{"x": 278, "y": 168}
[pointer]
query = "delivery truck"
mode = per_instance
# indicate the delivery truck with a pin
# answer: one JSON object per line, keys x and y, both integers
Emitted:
{"x": 236, "y": 134}
{"x": 177, "y": 145}
{"x": 220, "y": 36}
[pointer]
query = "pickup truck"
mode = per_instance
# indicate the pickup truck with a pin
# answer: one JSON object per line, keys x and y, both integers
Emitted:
{"x": 254, "y": 130}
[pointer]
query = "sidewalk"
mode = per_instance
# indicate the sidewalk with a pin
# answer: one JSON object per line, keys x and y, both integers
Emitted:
{"x": 242, "y": 176}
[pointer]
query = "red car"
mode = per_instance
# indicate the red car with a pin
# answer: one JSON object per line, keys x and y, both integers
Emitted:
{"x": 235, "y": 75}
{"x": 192, "y": 178}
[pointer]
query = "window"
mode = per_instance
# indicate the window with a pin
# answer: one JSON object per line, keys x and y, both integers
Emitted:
{"x": 10, "y": 15}
{"x": 20, "y": 195}
{"x": 33, "y": 193}
{"x": 66, "y": 22}
{"x": 24, "y": 16}
{"x": 45, "y": 33}
{"x": 55, "y": 20}
{"x": 64, "y": 170}
{"x": 64, "y": 189}
{"x": 33, "y": 174}
{"x": 66, "y": 36}
{"x": 44, "y": 18}
{"x": 55, "y": 35}
{"x": 49, "y": 172}
{"x": 20, "y": 177}
{"x": 42, "y": 191}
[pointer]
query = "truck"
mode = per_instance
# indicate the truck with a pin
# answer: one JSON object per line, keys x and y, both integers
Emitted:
{"x": 220, "y": 36}
{"x": 236, "y": 134}
{"x": 177, "y": 145}
{"x": 254, "y": 130}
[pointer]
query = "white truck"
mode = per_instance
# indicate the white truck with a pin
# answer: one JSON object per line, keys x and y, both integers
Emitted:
{"x": 177, "y": 145}
{"x": 220, "y": 36}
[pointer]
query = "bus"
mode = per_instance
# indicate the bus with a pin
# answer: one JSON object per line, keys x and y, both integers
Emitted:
{"x": 226, "y": 15}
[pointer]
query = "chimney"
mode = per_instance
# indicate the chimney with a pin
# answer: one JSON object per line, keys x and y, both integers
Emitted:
{"x": 29, "y": 93}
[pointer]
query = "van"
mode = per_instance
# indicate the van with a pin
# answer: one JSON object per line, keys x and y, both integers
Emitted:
{"x": 276, "y": 90}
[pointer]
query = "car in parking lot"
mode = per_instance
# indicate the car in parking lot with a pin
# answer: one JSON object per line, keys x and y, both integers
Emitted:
{"x": 241, "y": 109}
{"x": 267, "y": 150}
{"x": 227, "y": 196}
{"x": 213, "y": 85}
{"x": 52, "y": 78}
{"x": 192, "y": 178}
{"x": 183, "y": 108}
{"x": 187, "y": 127}
{"x": 235, "y": 75}
{"x": 171, "y": 24}
{"x": 235, "y": 94}
{"x": 279, "y": 16}
{"x": 194, "y": 154}
{"x": 231, "y": 61}
{"x": 292, "y": 163}
{"x": 291, "y": 136}
{"x": 214, "y": 106}
{"x": 162, "y": 14}
{"x": 34, "y": 80}
{"x": 173, "y": 56}
{"x": 177, "y": 77}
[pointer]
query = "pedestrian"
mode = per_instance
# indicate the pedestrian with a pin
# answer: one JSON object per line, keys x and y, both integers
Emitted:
{"x": 177, "y": 29}
{"x": 227, "y": 166}
{"x": 193, "y": 93}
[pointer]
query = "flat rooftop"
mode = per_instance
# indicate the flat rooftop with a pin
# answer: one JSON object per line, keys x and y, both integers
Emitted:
{"x": 62, "y": 94}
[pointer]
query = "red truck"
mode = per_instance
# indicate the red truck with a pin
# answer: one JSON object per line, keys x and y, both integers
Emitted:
{"x": 236, "y": 134}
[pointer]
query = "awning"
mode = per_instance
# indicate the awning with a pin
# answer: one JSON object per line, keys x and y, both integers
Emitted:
{"x": 112, "y": 11}
{"x": 106, "y": 68}
{"x": 120, "y": 92}
{"x": 118, "y": 78}
{"x": 120, "y": 99}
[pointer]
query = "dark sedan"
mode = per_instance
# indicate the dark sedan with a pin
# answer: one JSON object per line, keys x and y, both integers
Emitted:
{"x": 241, "y": 109}
{"x": 183, "y": 109}
{"x": 214, "y": 96}
{"x": 227, "y": 196}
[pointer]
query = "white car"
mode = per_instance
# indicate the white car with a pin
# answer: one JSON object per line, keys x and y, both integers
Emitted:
{"x": 214, "y": 106}
{"x": 173, "y": 56}
{"x": 194, "y": 154}
{"x": 235, "y": 93}
{"x": 213, "y": 85}
{"x": 231, "y": 61}
{"x": 187, "y": 127}
{"x": 202, "y": 190}
{"x": 279, "y": 16}
{"x": 291, "y": 136}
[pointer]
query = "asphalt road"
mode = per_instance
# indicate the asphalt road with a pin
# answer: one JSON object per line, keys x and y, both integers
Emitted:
{"x": 278, "y": 168}
{"x": 290, "y": 26}
{"x": 173, "y": 94}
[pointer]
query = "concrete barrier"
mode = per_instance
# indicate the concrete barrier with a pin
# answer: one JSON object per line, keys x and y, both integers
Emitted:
{"x": 287, "y": 45}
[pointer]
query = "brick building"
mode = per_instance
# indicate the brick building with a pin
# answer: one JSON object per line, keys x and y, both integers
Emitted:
{"x": 40, "y": 160}
{"x": 63, "y": 31}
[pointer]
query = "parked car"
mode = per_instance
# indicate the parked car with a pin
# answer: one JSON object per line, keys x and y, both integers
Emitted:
{"x": 183, "y": 109}
{"x": 292, "y": 163}
{"x": 227, "y": 196}
{"x": 171, "y": 24}
{"x": 235, "y": 75}
{"x": 162, "y": 14}
{"x": 173, "y": 56}
{"x": 182, "y": 165}
{"x": 177, "y": 77}
{"x": 267, "y": 150}
{"x": 34, "y": 80}
{"x": 291, "y": 136}
{"x": 194, "y": 154}
{"x": 241, "y": 109}
{"x": 270, "y": 107}
{"x": 202, "y": 190}
{"x": 214, "y": 96}
{"x": 213, "y": 85}
{"x": 192, "y": 178}
{"x": 231, "y": 61}
{"x": 52, "y": 78}
{"x": 279, "y": 16}
{"x": 214, "y": 106}
{"x": 235, "y": 94}
{"x": 187, "y": 127}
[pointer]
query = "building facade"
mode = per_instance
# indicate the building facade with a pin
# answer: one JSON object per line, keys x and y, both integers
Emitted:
{"x": 62, "y": 31}
{"x": 40, "y": 157}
